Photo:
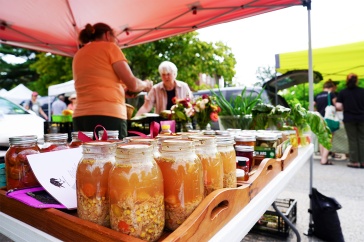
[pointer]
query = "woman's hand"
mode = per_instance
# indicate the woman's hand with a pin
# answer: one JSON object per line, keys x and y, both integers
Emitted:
{"x": 149, "y": 85}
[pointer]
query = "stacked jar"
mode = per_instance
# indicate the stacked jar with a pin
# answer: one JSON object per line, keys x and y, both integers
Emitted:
{"x": 75, "y": 142}
{"x": 136, "y": 193}
{"x": 17, "y": 169}
{"x": 225, "y": 146}
{"x": 183, "y": 180}
{"x": 112, "y": 135}
{"x": 54, "y": 142}
{"x": 92, "y": 181}
{"x": 213, "y": 171}
{"x": 248, "y": 141}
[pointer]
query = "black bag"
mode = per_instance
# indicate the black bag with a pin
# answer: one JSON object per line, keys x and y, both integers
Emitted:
{"x": 326, "y": 223}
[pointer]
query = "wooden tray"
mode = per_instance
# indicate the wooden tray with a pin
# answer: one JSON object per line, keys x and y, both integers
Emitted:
{"x": 209, "y": 217}
{"x": 288, "y": 156}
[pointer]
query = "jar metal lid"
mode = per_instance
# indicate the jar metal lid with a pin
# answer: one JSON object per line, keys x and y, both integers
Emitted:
{"x": 25, "y": 139}
{"x": 99, "y": 147}
{"x": 132, "y": 149}
{"x": 271, "y": 137}
{"x": 55, "y": 137}
{"x": 246, "y": 138}
{"x": 177, "y": 145}
{"x": 244, "y": 148}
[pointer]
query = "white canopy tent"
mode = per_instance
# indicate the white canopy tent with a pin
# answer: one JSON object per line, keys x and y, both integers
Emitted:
{"x": 18, "y": 94}
{"x": 66, "y": 88}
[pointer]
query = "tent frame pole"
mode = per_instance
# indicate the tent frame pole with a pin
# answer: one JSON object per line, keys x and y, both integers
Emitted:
{"x": 307, "y": 3}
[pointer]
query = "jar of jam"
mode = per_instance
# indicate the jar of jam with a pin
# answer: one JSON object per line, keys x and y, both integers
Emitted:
{"x": 183, "y": 180}
{"x": 92, "y": 176}
{"x": 213, "y": 171}
{"x": 247, "y": 152}
{"x": 75, "y": 142}
{"x": 53, "y": 142}
{"x": 136, "y": 193}
{"x": 17, "y": 169}
{"x": 245, "y": 140}
{"x": 242, "y": 164}
{"x": 225, "y": 146}
{"x": 112, "y": 135}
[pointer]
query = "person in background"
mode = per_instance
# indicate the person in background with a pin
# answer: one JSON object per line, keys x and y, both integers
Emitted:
{"x": 73, "y": 101}
{"x": 100, "y": 71}
{"x": 162, "y": 93}
{"x": 351, "y": 102}
{"x": 321, "y": 102}
{"x": 35, "y": 106}
{"x": 59, "y": 105}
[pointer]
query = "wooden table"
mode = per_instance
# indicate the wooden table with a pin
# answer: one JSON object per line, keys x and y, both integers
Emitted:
{"x": 235, "y": 229}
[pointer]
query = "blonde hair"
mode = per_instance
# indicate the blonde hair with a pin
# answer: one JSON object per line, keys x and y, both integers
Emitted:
{"x": 168, "y": 67}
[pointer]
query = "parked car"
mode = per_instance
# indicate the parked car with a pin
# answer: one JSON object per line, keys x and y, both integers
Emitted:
{"x": 15, "y": 121}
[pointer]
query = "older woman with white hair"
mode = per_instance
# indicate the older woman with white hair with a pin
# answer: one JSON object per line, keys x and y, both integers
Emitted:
{"x": 161, "y": 94}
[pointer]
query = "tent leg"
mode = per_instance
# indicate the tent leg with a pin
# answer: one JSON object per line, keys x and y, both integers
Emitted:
{"x": 310, "y": 224}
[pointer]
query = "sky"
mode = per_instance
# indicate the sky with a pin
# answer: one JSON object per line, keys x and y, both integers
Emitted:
{"x": 256, "y": 40}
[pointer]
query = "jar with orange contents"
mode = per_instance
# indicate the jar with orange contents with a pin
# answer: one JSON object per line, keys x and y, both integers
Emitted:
{"x": 213, "y": 171}
{"x": 183, "y": 180}
{"x": 18, "y": 172}
{"x": 245, "y": 140}
{"x": 225, "y": 146}
{"x": 75, "y": 142}
{"x": 136, "y": 193}
{"x": 112, "y": 135}
{"x": 92, "y": 181}
{"x": 54, "y": 142}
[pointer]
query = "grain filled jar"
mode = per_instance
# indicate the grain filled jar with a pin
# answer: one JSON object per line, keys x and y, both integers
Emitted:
{"x": 17, "y": 169}
{"x": 136, "y": 193}
{"x": 213, "y": 171}
{"x": 225, "y": 146}
{"x": 75, "y": 142}
{"x": 92, "y": 182}
{"x": 54, "y": 142}
{"x": 183, "y": 180}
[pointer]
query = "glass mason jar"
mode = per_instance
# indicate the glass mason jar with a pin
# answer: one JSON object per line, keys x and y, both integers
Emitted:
{"x": 246, "y": 140}
{"x": 75, "y": 142}
{"x": 213, "y": 171}
{"x": 92, "y": 181}
{"x": 225, "y": 146}
{"x": 136, "y": 193}
{"x": 247, "y": 152}
{"x": 53, "y": 142}
{"x": 183, "y": 180}
{"x": 112, "y": 135}
{"x": 17, "y": 169}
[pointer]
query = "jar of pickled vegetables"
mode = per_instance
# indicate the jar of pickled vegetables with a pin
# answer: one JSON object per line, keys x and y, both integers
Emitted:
{"x": 55, "y": 141}
{"x": 112, "y": 135}
{"x": 213, "y": 171}
{"x": 92, "y": 181}
{"x": 183, "y": 180}
{"x": 75, "y": 142}
{"x": 225, "y": 146}
{"x": 136, "y": 193}
{"x": 17, "y": 169}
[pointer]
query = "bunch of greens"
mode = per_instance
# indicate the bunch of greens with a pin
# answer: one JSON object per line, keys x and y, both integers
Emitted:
{"x": 240, "y": 105}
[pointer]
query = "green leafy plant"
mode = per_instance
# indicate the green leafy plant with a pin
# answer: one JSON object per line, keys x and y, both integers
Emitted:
{"x": 240, "y": 105}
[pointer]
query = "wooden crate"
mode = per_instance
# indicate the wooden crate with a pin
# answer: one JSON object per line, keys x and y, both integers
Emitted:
{"x": 216, "y": 210}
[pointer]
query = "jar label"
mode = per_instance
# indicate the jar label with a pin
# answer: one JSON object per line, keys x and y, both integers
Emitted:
{"x": 267, "y": 152}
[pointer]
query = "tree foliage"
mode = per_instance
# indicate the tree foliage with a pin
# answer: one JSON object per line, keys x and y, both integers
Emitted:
{"x": 190, "y": 55}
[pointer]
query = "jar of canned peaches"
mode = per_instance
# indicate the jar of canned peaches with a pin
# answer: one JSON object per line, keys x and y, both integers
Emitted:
{"x": 76, "y": 142}
{"x": 183, "y": 180}
{"x": 18, "y": 172}
{"x": 92, "y": 176}
{"x": 225, "y": 146}
{"x": 136, "y": 193}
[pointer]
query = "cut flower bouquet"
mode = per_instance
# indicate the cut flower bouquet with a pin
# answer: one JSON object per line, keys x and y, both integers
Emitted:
{"x": 206, "y": 110}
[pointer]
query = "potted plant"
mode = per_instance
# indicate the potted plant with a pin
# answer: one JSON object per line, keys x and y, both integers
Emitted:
{"x": 237, "y": 112}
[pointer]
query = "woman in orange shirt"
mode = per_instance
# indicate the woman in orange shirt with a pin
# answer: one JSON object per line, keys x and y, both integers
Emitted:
{"x": 100, "y": 71}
